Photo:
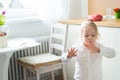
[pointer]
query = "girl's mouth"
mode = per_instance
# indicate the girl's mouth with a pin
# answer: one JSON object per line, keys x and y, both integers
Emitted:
{"x": 90, "y": 42}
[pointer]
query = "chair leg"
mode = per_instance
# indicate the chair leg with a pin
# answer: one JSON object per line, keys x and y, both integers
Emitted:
{"x": 38, "y": 76}
{"x": 24, "y": 73}
{"x": 53, "y": 75}
{"x": 64, "y": 73}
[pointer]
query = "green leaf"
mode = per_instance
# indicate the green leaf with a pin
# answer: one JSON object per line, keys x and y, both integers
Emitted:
{"x": 2, "y": 20}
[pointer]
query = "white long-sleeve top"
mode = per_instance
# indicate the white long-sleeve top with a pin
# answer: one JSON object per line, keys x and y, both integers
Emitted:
{"x": 88, "y": 66}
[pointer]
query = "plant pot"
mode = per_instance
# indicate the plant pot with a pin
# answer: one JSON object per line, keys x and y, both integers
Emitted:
{"x": 117, "y": 15}
{"x": 3, "y": 36}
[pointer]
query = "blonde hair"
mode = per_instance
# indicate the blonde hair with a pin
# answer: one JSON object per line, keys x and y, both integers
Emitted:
{"x": 89, "y": 23}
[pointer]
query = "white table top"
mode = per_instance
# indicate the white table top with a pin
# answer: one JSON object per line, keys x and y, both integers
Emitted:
{"x": 15, "y": 44}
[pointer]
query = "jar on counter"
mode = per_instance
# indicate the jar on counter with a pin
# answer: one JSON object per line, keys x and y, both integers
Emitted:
{"x": 3, "y": 36}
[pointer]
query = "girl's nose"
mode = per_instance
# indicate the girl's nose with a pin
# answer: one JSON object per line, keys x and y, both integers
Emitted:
{"x": 90, "y": 37}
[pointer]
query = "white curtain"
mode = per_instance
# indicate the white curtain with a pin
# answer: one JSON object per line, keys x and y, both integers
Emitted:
{"x": 15, "y": 4}
{"x": 59, "y": 9}
{"x": 51, "y": 9}
{"x": 5, "y": 3}
{"x": 77, "y": 9}
{"x": 46, "y": 9}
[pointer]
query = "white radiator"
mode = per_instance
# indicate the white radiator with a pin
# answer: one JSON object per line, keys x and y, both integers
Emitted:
{"x": 15, "y": 71}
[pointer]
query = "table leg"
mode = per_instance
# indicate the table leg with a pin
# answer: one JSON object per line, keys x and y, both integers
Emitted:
{"x": 4, "y": 61}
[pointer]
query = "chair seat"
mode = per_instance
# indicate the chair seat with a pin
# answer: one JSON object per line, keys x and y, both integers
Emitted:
{"x": 38, "y": 61}
{"x": 47, "y": 62}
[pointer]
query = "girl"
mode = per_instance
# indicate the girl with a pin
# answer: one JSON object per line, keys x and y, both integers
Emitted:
{"x": 88, "y": 54}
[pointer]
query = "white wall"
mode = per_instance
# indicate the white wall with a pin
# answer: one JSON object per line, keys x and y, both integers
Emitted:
{"x": 77, "y": 9}
{"x": 28, "y": 29}
{"x": 25, "y": 23}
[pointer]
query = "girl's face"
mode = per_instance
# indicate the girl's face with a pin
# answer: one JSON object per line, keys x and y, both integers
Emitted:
{"x": 89, "y": 35}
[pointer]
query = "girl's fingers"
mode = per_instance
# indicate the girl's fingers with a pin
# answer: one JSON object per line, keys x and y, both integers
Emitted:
{"x": 72, "y": 51}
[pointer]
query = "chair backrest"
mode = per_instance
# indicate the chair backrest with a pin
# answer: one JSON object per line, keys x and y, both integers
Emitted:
{"x": 58, "y": 38}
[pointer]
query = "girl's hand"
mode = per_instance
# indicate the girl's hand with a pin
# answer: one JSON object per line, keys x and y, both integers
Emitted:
{"x": 71, "y": 52}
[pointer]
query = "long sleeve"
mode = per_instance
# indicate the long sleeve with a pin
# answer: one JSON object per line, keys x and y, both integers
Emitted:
{"x": 107, "y": 52}
{"x": 64, "y": 57}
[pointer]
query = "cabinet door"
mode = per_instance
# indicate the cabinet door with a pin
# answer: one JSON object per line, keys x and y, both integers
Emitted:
{"x": 111, "y": 67}
{"x": 73, "y": 35}
{"x": 108, "y": 37}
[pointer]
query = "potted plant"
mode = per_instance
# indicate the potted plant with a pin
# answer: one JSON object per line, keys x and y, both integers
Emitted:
{"x": 3, "y": 30}
{"x": 117, "y": 13}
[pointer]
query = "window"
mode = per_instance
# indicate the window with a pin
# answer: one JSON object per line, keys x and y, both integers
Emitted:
{"x": 44, "y": 8}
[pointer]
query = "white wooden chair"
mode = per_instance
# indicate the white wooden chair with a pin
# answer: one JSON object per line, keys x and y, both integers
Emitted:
{"x": 48, "y": 62}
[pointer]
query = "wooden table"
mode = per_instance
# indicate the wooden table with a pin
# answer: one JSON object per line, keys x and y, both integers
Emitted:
{"x": 114, "y": 23}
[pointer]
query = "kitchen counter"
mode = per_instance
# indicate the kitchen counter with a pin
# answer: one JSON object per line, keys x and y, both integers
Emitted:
{"x": 109, "y": 31}
{"x": 113, "y": 23}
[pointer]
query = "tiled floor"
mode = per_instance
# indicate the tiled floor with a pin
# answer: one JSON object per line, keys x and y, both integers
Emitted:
{"x": 60, "y": 77}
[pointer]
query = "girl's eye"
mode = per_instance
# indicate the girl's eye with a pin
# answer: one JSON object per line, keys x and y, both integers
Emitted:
{"x": 93, "y": 35}
{"x": 86, "y": 35}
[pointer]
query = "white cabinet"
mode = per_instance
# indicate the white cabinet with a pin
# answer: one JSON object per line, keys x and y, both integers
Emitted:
{"x": 109, "y": 37}
{"x": 111, "y": 67}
